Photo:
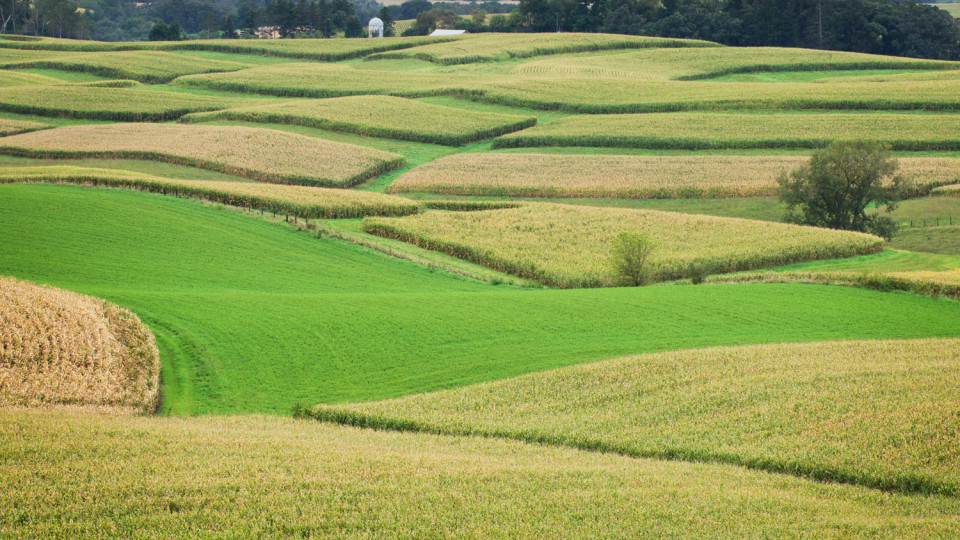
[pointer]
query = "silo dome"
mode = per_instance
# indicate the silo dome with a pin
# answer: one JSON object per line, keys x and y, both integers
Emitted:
{"x": 375, "y": 28}
{"x": 376, "y": 22}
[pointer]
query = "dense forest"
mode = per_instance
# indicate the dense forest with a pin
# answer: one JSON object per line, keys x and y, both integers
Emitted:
{"x": 902, "y": 28}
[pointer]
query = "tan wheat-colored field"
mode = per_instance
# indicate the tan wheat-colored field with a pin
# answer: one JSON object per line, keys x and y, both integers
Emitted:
{"x": 622, "y": 176}
{"x": 260, "y": 154}
{"x": 60, "y": 347}
{"x": 569, "y": 246}
{"x": 144, "y": 66}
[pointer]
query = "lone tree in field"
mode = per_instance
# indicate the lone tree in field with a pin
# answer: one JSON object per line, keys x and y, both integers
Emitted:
{"x": 628, "y": 259}
{"x": 838, "y": 184}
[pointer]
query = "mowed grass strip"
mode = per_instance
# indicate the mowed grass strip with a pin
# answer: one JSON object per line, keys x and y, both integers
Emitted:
{"x": 569, "y": 246}
{"x": 265, "y": 477}
{"x": 626, "y": 177}
{"x": 380, "y": 116}
{"x": 489, "y": 47}
{"x": 301, "y": 201}
{"x": 617, "y": 95}
{"x": 105, "y": 103}
{"x": 261, "y": 154}
{"x": 693, "y": 131}
{"x": 59, "y": 347}
{"x": 709, "y": 62}
{"x": 874, "y": 413}
{"x": 332, "y": 80}
{"x": 144, "y": 66}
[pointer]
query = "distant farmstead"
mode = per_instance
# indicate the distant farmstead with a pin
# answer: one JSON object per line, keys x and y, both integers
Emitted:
{"x": 375, "y": 28}
{"x": 441, "y": 32}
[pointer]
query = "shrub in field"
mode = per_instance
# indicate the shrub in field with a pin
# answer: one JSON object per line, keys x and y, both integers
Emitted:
{"x": 104, "y": 103}
{"x": 694, "y": 131}
{"x": 872, "y": 413}
{"x": 628, "y": 259}
{"x": 837, "y": 185}
{"x": 261, "y": 154}
{"x": 380, "y": 116}
{"x": 299, "y": 201}
{"x": 58, "y": 347}
{"x": 143, "y": 66}
{"x": 568, "y": 246}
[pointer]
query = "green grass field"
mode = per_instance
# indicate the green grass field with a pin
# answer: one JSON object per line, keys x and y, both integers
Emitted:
{"x": 327, "y": 312}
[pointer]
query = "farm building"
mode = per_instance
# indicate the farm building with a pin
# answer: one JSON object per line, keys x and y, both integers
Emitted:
{"x": 375, "y": 28}
{"x": 441, "y": 32}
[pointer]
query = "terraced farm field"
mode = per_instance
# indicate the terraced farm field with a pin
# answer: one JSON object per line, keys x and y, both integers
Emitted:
{"x": 620, "y": 176}
{"x": 261, "y": 154}
{"x": 380, "y": 116}
{"x": 431, "y": 274}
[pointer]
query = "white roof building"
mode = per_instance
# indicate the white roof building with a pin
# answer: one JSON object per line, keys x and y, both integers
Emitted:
{"x": 441, "y": 32}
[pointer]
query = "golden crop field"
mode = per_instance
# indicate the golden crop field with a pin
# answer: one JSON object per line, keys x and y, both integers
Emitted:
{"x": 952, "y": 190}
{"x": 266, "y": 476}
{"x": 105, "y": 103}
{"x": 569, "y": 246}
{"x": 143, "y": 66}
{"x": 300, "y": 201}
{"x": 15, "y": 78}
{"x": 834, "y": 411}
{"x": 261, "y": 154}
{"x": 627, "y": 177}
{"x": 703, "y": 63}
{"x": 380, "y": 116}
{"x": 61, "y": 348}
{"x": 331, "y": 80}
{"x": 491, "y": 47}
{"x": 901, "y": 131}
{"x": 610, "y": 95}
{"x": 12, "y": 127}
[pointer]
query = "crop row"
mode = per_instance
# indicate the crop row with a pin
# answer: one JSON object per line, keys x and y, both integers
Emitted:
{"x": 298, "y": 201}
{"x": 569, "y": 246}
{"x": 59, "y": 347}
{"x": 901, "y": 131}
{"x": 106, "y": 103}
{"x": 854, "y": 412}
{"x": 143, "y": 66}
{"x": 498, "y": 47}
{"x": 260, "y": 154}
{"x": 626, "y": 176}
{"x": 380, "y": 116}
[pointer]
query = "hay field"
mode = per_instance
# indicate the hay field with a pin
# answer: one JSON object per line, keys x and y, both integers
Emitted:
{"x": 569, "y": 246}
{"x": 491, "y": 47}
{"x": 380, "y": 116}
{"x": 144, "y": 66}
{"x": 872, "y": 413}
{"x": 623, "y": 176}
{"x": 694, "y": 131}
{"x": 260, "y": 154}
{"x": 13, "y": 127}
{"x": 61, "y": 348}
{"x": 104, "y": 103}
{"x": 270, "y": 477}
{"x": 709, "y": 62}
{"x": 300, "y": 201}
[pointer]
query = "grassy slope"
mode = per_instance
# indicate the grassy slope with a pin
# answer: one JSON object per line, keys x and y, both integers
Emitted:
{"x": 944, "y": 239}
{"x": 255, "y": 317}
{"x": 272, "y": 477}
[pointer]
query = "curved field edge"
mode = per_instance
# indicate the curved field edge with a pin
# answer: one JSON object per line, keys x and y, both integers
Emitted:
{"x": 62, "y": 348}
{"x": 282, "y": 199}
{"x": 935, "y": 283}
{"x": 266, "y": 477}
{"x": 875, "y": 414}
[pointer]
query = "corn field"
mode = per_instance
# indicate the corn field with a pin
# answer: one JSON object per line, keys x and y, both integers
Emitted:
{"x": 60, "y": 347}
